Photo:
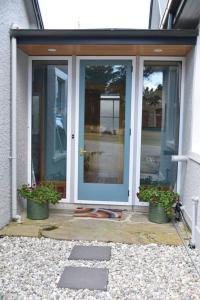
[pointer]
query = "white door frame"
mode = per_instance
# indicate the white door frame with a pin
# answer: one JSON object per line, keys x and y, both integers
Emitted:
{"x": 69, "y": 116}
{"x": 130, "y": 197}
{"x": 135, "y": 124}
{"x": 139, "y": 114}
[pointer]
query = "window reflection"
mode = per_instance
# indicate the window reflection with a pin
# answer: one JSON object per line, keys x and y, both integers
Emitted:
{"x": 160, "y": 122}
{"x": 60, "y": 114}
{"x": 104, "y": 123}
{"x": 109, "y": 114}
{"x": 49, "y": 123}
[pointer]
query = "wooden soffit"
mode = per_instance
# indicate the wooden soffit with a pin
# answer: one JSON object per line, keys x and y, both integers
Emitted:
{"x": 92, "y": 50}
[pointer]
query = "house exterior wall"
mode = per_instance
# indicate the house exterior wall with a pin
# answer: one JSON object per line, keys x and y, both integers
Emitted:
{"x": 22, "y": 118}
{"x": 187, "y": 114}
{"x": 190, "y": 186}
{"x": 186, "y": 136}
{"x": 155, "y": 15}
{"x": 190, "y": 171}
{"x": 196, "y": 101}
{"x": 10, "y": 12}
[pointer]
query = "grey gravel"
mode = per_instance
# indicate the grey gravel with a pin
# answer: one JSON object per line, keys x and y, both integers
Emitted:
{"x": 30, "y": 268}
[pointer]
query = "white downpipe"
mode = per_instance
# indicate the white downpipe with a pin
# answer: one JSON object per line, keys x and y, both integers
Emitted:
{"x": 179, "y": 158}
{"x": 195, "y": 202}
{"x": 13, "y": 127}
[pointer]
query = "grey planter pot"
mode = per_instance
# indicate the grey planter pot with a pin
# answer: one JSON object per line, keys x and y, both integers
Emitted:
{"x": 157, "y": 214}
{"x": 37, "y": 211}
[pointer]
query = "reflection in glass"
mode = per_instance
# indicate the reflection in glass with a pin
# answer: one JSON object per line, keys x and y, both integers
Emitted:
{"x": 109, "y": 113}
{"x": 160, "y": 122}
{"x": 104, "y": 123}
{"x": 49, "y": 123}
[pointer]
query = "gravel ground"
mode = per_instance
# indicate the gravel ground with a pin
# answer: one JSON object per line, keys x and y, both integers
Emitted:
{"x": 30, "y": 269}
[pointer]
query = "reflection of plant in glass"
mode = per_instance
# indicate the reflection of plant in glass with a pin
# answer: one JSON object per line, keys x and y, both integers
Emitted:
{"x": 148, "y": 70}
{"x": 108, "y": 75}
{"x": 151, "y": 96}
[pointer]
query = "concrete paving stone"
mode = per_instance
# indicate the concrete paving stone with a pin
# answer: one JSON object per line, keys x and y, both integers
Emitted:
{"x": 15, "y": 229}
{"x": 135, "y": 229}
{"x": 117, "y": 232}
{"x": 84, "y": 278}
{"x": 90, "y": 253}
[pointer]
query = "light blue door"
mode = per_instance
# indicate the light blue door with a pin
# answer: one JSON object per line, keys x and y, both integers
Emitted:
{"x": 104, "y": 130}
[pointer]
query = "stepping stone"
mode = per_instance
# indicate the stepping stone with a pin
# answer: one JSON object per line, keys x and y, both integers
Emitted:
{"x": 90, "y": 253}
{"x": 84, "y": 278}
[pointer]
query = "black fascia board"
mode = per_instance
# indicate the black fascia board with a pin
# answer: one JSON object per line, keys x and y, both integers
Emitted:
{"x": 106, "y": 36}
{"x": 107, "y": 41}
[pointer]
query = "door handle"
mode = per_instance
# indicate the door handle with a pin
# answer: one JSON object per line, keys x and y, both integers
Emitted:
{"x": 82, "y": 151}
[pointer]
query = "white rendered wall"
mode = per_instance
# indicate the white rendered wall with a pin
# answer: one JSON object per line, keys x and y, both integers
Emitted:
{"x": 11, "y": 11}
{"x": 190, "y": 186}
{"x": 196, "y": 102}
{"x": 155, "y": 19}
{"x": 22, "y": 119}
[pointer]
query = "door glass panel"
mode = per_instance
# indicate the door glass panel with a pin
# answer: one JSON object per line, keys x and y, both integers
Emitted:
{"x": 104, "y": 123}
{"x": 49, "y": 123}
{"x": 160, "y": 122}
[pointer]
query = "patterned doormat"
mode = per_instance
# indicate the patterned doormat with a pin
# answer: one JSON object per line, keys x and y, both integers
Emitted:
{"x": 103, "y": 213}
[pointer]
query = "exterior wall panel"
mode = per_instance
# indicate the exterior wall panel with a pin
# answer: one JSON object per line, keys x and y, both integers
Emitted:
{"x": 22, "y": 118}
{"x": 188, "y": 93}
{"x": 186, "y": 137}
{"x": 190, "y": 186}
{"x": 10, "y": 12}
{"x": 192, "y": 189}
{"x": 155, "y": 15}
{"x": 196, "y": 103}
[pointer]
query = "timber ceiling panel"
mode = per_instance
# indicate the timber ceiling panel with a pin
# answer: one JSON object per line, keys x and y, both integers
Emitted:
{"x": 132, "y": 50}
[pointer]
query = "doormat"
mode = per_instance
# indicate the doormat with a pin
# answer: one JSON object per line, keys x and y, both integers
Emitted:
{"x": 103, "y": 213}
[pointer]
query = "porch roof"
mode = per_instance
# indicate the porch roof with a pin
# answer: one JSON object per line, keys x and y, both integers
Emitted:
{"x": 106, "y": 42}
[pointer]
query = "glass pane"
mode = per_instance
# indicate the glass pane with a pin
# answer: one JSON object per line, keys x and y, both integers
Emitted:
{"x": 106, "y": 108}
{"x": 49, "y": 123}
{"x": 116, "y": 108}
{"x": 104, "y": 123}
{"x": 160, "y": 122}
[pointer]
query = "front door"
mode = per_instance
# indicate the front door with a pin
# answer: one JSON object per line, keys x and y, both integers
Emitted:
{"x": 104, "y": 130}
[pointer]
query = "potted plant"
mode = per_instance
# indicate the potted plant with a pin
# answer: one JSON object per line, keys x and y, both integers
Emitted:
{"x": 38, "y": 199}
{"x": 161, "y": 200}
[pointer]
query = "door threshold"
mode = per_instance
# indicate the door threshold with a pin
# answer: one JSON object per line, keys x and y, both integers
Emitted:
{"x": 94, "y": 202}
{"x": 60, "y": 207}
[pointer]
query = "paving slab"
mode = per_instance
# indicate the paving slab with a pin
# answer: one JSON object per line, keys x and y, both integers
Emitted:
{"x": 117, "y": 232}
{"x": 84, "y": 278}
{"x": 14, "y": 229}
{"x": 99, "y": 253}
{"x": 134, "y": 229}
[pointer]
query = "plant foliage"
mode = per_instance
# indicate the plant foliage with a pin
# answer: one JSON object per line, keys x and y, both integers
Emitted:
{"x": 43, "y": 193}
{"x": 158, "y": 195}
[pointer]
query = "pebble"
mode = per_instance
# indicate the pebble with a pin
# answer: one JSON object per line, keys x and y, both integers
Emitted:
{"x": 30, "y": 269}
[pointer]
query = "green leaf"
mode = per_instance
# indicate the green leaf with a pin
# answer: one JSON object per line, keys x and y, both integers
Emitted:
{"x": 43, "y": 193}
